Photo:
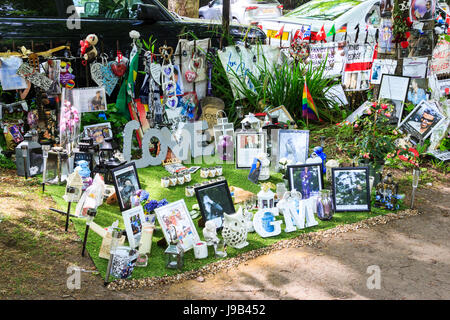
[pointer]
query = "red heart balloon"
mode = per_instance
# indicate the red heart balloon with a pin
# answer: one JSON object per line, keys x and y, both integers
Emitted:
{"x": 119, "y": 68}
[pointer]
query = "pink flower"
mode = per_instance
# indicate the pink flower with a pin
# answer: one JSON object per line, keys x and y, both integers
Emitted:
{"x": 356, "y": 125}
{"x": 387, "y": 114}
{"x": 384, "y": 106}
{"x": 366, "y": 155}
{"x": 395, "y": 132}
{"x": 369, "y": 112}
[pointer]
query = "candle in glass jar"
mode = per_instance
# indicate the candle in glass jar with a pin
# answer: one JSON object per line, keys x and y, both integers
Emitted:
{"x": 145, "y": 245}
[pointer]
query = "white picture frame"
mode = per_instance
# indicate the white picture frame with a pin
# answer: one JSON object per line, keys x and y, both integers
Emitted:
{"x": 133, "y": 219}
{"x": 394, "y": 88}
{"x": 249, "y": 144}
{"x": 413, "y": 126}
{"x": 293, "y": 145}
{"x": 175, "y": 218}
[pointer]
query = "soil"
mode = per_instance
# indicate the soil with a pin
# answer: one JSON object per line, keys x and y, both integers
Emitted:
{"x": 412, "y": 254}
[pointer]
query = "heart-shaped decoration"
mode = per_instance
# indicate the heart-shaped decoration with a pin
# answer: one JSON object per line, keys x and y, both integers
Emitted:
{"x": 104, "y": 77}
{"x": 404, "y": 44}
{"x": 190, "y": 76}
{"x": 155, "y": 70}
{"x": 119, "y": 68}
{"x": 96, "y": 73}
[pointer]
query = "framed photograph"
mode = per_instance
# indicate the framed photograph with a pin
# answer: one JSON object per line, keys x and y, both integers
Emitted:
{"x": 92, "y": 99}
{"x": 351, "y": 189}
{"x": 293, "y": 145}
{"x": 422, "y": 10}
{"x": 52, "y": 69}
{"x": 98, "y": 132}
{"x": 176, "y": 222}
{"x": 380, "y": 67}
{"x": 282, "y": 114}
{"x": 133, "y": 219}
{"x": 126, "y": 183}
{"x": 305, "y": 178}
{"x": 395, "y": 89}
{"x": 417, "y": 91}
{"x": 249, "y": 145}
{"x": 421, "y": 122}
{"x": 214, "y": 199}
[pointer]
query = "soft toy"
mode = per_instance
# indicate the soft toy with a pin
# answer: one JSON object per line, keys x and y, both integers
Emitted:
{"x": 65, "y": 77}
{"x": 88, "y": 50}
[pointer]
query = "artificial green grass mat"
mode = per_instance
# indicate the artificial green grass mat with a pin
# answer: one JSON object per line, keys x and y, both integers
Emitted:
{"x": 150, "y": 179}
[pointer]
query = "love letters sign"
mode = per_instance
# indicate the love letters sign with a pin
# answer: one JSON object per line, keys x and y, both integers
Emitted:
{"x": 185, "y": 143}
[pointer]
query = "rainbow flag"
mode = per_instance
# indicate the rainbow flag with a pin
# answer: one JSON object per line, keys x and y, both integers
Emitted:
{"x": 309, "y": 109}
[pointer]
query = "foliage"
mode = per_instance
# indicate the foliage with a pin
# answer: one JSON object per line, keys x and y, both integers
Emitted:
{"x": 116, "y": 120}
{"x": 283, "y": 85}
{"x": 6, "y": 163}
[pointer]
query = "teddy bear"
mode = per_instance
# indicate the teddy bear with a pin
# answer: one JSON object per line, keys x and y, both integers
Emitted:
{"x": 88, "y": 50}
{"x": 65, "y": 77}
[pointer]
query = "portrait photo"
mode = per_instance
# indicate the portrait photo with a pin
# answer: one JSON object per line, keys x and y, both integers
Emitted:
{"x": 126, "y": 183}
{"x": 421, "y": 122}
{"x": 351, "y": 189}
{"x": 92, "y": 99}
{"x": 214, "y": 199}
{"x": 98, "y": 132}
{"x": 52, "y": 69}
{"x": 133, "y": 219}
{"x": 422, "y": 10}
{"x": 293, "y": 145}
{"x": 417, "y": 91}
{"x": 176, "y": 223}
{"x": 385, "y": 44}
{"x": 249, "y": 145}
{"x": 9, "y": 79}
{"x": 307, "y": 179}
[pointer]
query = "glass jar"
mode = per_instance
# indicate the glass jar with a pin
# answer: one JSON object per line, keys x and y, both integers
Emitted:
{"x": 204, "y": 173}
{"x": 123, "y": 262}
{"x": 325, "y": 206}
{"x": 212, "y": 172}
{"x": 281, "y": 190}
{"x": 187, "y": 176}
{"x": 180, "y": 178}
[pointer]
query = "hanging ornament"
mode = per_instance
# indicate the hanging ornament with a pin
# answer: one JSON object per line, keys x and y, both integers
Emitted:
{"x": 169, "y": 86}
{"x": 103, "y": 75}
{"x": 119, "y": 67}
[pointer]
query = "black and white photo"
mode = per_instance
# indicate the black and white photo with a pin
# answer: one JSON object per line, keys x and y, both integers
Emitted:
{"x": 351, "y": 189}
{"x": 306, "y": 178}
{"x": 126, "y": 183}
{"x": 214, "y": 199}
{"x": 98, "y": 132}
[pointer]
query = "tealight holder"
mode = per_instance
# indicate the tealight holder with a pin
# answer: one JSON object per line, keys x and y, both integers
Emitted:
{"x": 173, "y": 181}
{"x": 212, "y": 172}
{"x": 187, "y": 176}
{"x": 165, "y": 182}
{"x": 204, "y": 173}
{"x": 180, "y": 179}
{"x": 189, "y": 191}
{"x": 200, "y": 250}
{"x": 219, "y": 171}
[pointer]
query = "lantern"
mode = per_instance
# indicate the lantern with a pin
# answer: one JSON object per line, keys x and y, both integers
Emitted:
{"x": 266, "y": 198}
{"x": 45, "y": 150}
{"x": 92, "y": 212}
{"x": 387, "y": 193}
{"x": 251, "y": 122}
{"x": 145, "y": 244}
{"x": 107, "y": 161}
{"x": 28, "y": 157}
{"x": 329, "y": 166}
{"x": 174, "y": 255}
{"x": 116, "y": 235}
{"x": 223, "y": 132}
{"x": 74, "y": 187}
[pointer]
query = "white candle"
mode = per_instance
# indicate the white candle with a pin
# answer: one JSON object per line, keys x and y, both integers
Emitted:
{"x": 145, "y": 245}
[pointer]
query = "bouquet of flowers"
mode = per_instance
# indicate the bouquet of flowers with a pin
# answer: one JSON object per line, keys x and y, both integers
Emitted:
{"x": 142, "y": 198}
{"x": 282, "y": 165}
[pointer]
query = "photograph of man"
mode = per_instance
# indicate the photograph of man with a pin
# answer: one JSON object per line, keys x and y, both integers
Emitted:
{"x": 97, "y": 103}
{"x": 415, "y": 93}
{"x": 251, "y": 142}
{"x": 305, "y": 177}
{"x": 425, "y": 121}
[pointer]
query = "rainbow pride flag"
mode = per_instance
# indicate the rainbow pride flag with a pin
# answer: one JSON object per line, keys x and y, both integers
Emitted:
{"x": 309, "y": 109}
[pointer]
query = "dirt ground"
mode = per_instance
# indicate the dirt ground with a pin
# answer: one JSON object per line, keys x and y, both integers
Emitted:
{"x": 412, "y": 254}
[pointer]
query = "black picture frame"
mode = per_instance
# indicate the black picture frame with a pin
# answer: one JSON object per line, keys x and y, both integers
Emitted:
{"x": 262, "y": 136}
{"x": 218, "y": 188}
{"x": 128, "y": 171}
{"x": 78, "y": 156}
{"x": 353, "y": 191}
{"x": 291, "y": 168}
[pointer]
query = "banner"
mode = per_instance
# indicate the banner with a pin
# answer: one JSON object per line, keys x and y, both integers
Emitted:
{"x": 358, "y": 66}
{"x": 440, "y": 61}
{"x": 334, "y": 52}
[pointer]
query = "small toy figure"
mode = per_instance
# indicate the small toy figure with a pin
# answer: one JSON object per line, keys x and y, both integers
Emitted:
{"x": 210, "y": 233}
{"x": 84, "y": 172}
{"x": 88, "y": 50}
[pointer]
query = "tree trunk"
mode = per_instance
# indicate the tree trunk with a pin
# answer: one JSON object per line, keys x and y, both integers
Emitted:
{"x": 186, "y": 8}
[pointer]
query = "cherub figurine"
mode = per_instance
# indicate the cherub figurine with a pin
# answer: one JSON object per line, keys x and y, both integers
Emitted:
{"x": 210, "y": 233}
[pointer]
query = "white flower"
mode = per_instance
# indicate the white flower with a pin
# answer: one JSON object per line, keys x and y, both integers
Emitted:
{"x": 134, "y": 34}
